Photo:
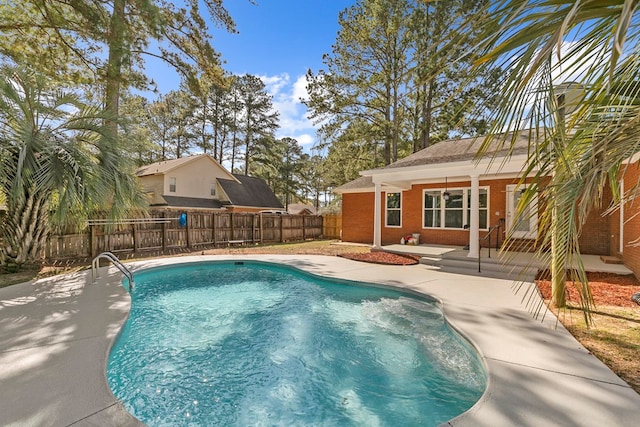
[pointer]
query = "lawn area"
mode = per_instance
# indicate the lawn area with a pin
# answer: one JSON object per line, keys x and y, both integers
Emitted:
{"x": 614, "y": 338}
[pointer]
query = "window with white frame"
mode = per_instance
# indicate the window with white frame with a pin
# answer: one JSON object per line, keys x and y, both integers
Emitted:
{"x": 213, "y": 188}
{"x": 452, "y": 209}
{"x": 172, "y": 184}
{"x": 432, "y": 208}
{"x": 483, "y": 207}
{"x": 393, "y": 210}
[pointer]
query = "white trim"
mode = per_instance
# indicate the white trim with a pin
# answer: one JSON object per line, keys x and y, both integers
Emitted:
{"x": 465, "y": 194}
{"x": 386, "y": 209}
{"x": 377, "y": 217}
{"x": 511, "y": 209}
{"x": 424, "y": 195}
{"x": 621, "y": 237}
{"x": 632, "y": 159}
{"x": 454, "y": 170}
{"x": 474, "y": 221}
{"x": 426, "y": 181}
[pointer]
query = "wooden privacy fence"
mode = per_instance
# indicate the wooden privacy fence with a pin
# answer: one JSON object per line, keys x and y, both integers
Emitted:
{"x": 164, "y": 231}
{"x": 332, "y": 226}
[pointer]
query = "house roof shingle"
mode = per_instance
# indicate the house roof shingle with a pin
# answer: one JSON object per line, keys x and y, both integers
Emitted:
{"x": 250, "y": 191}
{"x": 165, "y": 166}
{"x": 361, "y": 183}
{"x": 455, "y": 150}
{"x": 301, "y": 209}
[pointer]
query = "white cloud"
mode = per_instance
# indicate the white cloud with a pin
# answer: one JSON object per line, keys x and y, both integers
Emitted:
{"x": 578, "y": 63}
{"x": 300, "y": 88}
{"x": 305, "y": 139}
{"x": 274, "y": 84}
{"x": 293, "y": 114}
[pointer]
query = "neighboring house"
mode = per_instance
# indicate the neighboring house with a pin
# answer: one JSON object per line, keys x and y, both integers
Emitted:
{"x": 200, "y": 182}
{"x": 301, "y": 209}
{"x": 448, "y": 197}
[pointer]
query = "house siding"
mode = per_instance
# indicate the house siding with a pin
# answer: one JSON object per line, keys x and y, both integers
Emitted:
{"x": 195, "y": 178}
{"x": 357, "y": 215}
{"x": 597, "y": 237}
{"x": 357, "y": 219}
{"x": 154, "y": 186}
{"x": 630, "y": 249}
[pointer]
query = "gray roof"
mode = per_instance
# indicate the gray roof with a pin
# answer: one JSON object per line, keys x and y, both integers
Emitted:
{"x": 250, "y": 191}
{"x": 452, "y": 150}
{"x": 301, "y": 209}
{"x": 362, "y": 183}
{"x": 192, "y": 202}
{"x": 456, "y": 150}
{"x": 165, "y": 166}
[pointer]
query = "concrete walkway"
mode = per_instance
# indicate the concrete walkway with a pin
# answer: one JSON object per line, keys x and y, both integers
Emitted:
{"x": 590, "y": 262}
{"x": 55, "y": 335}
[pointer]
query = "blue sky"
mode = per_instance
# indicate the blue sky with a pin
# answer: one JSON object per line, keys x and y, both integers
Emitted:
{"x": 278, "y": 40}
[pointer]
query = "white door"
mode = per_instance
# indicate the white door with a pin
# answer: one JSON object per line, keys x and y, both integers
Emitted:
{"x": 526, "y": 226}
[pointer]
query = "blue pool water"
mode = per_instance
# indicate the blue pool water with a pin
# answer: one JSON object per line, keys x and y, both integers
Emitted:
{"x": 220, "y": 344}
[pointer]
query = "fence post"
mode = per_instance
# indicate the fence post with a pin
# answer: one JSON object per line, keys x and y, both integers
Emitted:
{"x": 135, "y": 238}
{"x": 164, "y": 232}
{"x": 92, "y": 241}
{"x": 254, "y": 227}
{"x": 304, "y": 234}
{"x": 213, "y": 228}
{"x": 281, "y": 228}
{"x": 261, "y": 228}
{"x": 186, "y": 228}
{"x": 231, "y": 225}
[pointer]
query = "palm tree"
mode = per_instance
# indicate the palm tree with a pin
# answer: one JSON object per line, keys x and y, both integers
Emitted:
{"x": 578, "y": 143}
{"x": 56, "y": 165}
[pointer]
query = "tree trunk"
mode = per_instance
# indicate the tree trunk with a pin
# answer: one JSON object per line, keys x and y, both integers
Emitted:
{"x": 558, "y": 261}
{"x": 426, "y": 115}
{"x": 114, "y": 66}
{"x": 247, "y": 145}
{"x": 396, "y": 125}
{"x": 25, "y": 230}
{"x": 387, "y": 130}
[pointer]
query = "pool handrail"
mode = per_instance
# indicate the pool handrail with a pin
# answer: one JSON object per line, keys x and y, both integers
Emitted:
{"x": 114, "y": 259}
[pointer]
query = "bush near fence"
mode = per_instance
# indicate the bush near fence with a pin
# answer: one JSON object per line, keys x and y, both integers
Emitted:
{"x": 161, "y": 231}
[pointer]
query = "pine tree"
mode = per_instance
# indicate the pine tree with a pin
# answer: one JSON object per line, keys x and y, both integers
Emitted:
{"x": 259, "y": 120}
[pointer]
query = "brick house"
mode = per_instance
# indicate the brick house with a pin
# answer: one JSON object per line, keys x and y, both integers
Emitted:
{"x": 200, "y": 182}
{"x": 448, "y": 197}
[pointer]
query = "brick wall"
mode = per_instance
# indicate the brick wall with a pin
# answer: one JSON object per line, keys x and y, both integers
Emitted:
{"x": 357, "y": 215}
{"x": 630, "y": 250}
{"x": 598, "y": 236}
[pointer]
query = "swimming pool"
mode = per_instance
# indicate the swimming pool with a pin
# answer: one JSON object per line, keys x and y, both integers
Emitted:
{"x": 261, "y": 344}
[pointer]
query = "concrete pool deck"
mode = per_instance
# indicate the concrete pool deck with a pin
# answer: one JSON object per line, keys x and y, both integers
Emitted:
{"x": 55, "y": 335}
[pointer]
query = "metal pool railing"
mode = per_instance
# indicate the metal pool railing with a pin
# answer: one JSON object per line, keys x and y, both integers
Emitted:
{"x": 95, "y": 264}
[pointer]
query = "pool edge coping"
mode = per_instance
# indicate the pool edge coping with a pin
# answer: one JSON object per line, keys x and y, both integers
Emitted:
{"x": 488, "y": 406}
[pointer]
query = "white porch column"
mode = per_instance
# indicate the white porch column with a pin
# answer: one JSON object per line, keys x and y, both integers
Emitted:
{"x": 474, "y": 220}
{"x": 621, "y": 238}
{"x": 377, "y": 217}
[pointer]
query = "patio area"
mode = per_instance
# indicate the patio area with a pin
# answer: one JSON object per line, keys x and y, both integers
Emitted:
{"x": 504, "y": 264}
{"x": 55, "y": 336}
